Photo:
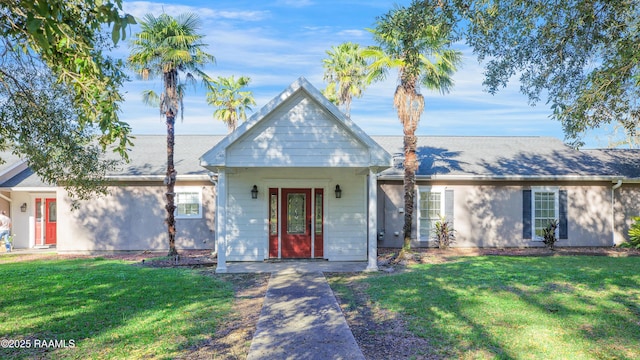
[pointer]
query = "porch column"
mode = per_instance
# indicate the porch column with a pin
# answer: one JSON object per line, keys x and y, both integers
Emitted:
{"x": 372, "y": 257}
{"x": 221, "y": 215}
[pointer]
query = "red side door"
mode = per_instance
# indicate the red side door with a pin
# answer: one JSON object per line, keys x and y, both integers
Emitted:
{"x": 51, "y": 218}
{"x": 46, "y": 219}
{"x": 296, "y": 223}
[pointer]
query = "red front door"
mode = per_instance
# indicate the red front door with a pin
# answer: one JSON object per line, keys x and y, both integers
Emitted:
{"x": 296, "y": 223}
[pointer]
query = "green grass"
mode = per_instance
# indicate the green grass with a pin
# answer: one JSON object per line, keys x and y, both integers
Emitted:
{"x": 520, "y": 307}
{"x": 110, "y": 309}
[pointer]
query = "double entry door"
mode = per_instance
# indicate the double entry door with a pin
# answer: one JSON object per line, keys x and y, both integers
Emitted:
{"x": 296, "y": 223}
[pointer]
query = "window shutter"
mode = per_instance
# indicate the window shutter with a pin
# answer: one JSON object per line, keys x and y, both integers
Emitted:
{"x": 448, "y": 206}
{"x": 526, "y": 214}
{"x": 563, "y": 230}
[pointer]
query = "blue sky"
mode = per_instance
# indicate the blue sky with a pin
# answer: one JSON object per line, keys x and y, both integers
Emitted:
{"x": 276, "y": 41}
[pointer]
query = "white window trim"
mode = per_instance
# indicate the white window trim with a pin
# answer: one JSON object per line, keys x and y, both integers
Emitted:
{"x": 189, "y": 189}
{"x": 428, "y": 188}
{"x": 556, "y": 199}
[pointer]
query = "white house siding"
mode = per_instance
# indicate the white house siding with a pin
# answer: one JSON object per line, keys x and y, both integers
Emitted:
{"x": 132, "y": 218}
{"x": 19, "y": 220}
{"x": 626, "y": 207}
{"x": 590, "y": 215}
{"x": 490, "y": 214}
{"x": 298, "y": 134}
{"x": 345, "y": 219}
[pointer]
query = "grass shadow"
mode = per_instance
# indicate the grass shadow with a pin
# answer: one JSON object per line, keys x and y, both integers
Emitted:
{"x": 506, "y": 307}
{"x": 109, "y": 308}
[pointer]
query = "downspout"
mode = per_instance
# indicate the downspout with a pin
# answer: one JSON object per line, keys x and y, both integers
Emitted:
{"x": 213, "y": 177}
{"x": 613, "y": 211}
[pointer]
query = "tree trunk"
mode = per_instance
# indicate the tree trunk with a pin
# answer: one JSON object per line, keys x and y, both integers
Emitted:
{"x": 409, "y": 182}
{"x": 409, "y": 104}
{"x": 170, "y": 180}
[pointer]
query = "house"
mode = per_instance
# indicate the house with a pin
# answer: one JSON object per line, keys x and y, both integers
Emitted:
{"x": 301, "y": 180}
{"x": 131, "y": 217}
{"x": 502, "y": 192}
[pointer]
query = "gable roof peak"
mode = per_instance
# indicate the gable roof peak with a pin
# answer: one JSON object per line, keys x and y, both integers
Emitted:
{"x": 215, "y": 157}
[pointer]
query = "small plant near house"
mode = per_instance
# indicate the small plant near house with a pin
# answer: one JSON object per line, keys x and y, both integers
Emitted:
{"x": 444, "y": 234}
{"x": 549, "y": 237}
{"x": 634, "y": 235}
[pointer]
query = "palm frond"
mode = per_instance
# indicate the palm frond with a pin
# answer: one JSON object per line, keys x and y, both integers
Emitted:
{"x": 150, "y": 97}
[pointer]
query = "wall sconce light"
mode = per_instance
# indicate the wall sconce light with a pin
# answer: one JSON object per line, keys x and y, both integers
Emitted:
{"x": 254, "y": 192}
{"x": 23, "y": 207}
{"x": 338, "y": 192}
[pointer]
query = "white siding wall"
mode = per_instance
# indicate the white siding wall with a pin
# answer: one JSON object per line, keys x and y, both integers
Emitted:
{"x": 298, "y": 133}
{"x": 345, "y": 233}
{"x": 131, "y": 218}
{"x": 490, "y": 215}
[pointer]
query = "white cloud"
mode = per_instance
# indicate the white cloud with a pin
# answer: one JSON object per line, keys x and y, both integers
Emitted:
{"x": 141, "y": 8}
{"x": 295, "y": 3}
{"x": 354, "y": 33}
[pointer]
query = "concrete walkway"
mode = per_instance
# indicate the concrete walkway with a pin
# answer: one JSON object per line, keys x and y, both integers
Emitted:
{"x": 301, "y": 319}
{"x": 299, "y": 266}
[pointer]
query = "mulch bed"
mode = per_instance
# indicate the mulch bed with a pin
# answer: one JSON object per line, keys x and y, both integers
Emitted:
{"x": 186, "y": 258}
{"x": 537, "y": 251}
{"x": 388, "y": 260}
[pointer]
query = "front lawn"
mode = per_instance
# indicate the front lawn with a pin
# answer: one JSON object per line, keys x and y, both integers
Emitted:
{"x": 583, "y": 307}
{"x": 96, "y": 308}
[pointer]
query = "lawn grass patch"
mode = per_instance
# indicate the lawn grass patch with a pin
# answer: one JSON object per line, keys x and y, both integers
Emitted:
{"x": 583, "y": 307}
{"x": 109, "y": 308}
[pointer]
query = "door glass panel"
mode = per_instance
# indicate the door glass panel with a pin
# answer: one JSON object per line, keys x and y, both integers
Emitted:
{"x": 38, "y": 210}
{"x": 318, "y": 212}
{"x": 296, "y": 213}
{"x": 273, "y": 216}
{"x": 53, "y": 216}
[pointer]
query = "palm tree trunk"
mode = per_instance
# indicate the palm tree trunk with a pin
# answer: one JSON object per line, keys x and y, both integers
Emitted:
{"x": 409, "y": 182}
{"x": 170, "y": 180}
{"x": 409, "y": 104}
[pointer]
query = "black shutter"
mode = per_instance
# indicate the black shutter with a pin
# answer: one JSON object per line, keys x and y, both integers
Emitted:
{"x": 448, "y": 206}
{"x": 563, "y": 230}
{"x": 526, "y": 214}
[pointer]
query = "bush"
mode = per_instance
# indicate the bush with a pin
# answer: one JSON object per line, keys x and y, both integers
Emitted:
{"x": 634, "y": 235}
{"x": 549, "y": 234}
{"x": 444, "y": 235}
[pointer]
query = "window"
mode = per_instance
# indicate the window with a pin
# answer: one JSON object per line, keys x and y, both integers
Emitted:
{"x": 545, "y": 209}
{"x": 430, "y": 210}
{"x": 273, "y": 212}
{"x": 318, "y": 211}
{"x": 188, "y": 203}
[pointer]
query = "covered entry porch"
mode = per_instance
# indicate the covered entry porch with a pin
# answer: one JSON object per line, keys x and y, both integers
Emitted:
{"x": 278, "y": 176}
{"x": 300, "y": 216}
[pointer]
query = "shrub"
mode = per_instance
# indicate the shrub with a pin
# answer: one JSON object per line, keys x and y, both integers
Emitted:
{"x": 549, "y": 234}
{"x": 444, "y": 234}
{"x": 634, "y": 234}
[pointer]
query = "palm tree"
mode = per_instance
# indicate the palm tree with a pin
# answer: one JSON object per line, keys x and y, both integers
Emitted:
{"x": 345, "y": 70}
{"x": 232, "y": 103}
{"x": 416, "y": 42}
{"x": 169, "y": 47}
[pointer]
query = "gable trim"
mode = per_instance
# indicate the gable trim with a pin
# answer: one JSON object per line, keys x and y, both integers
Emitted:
{"x": 216, "y": 156}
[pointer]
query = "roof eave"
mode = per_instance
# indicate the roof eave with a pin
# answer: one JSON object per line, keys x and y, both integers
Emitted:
{"x": 195, "y": 177}
{"x": 506, "y": 177}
